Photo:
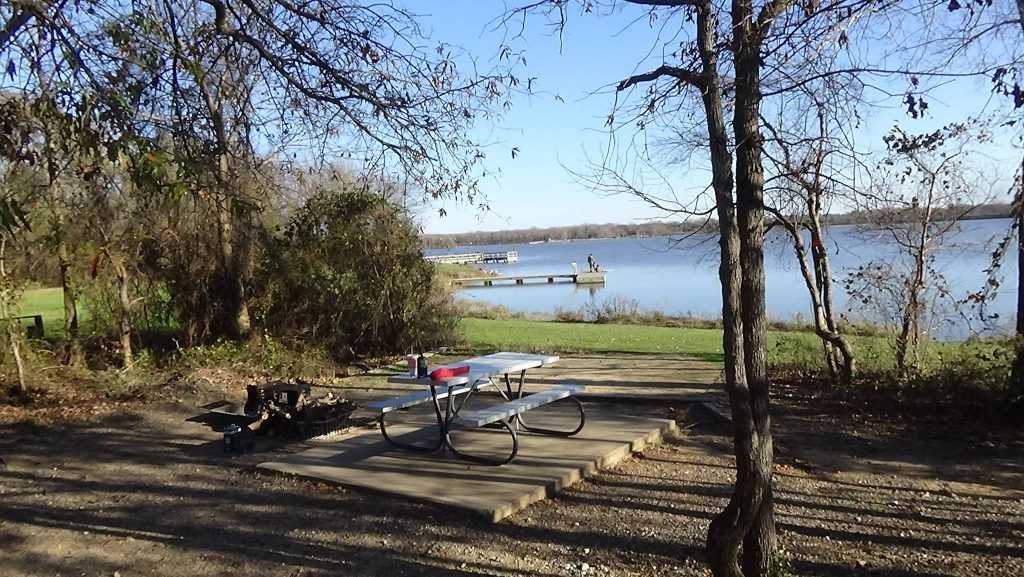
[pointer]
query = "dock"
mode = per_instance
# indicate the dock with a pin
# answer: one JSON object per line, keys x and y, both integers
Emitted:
{"x": 475, "y": 257}
{"x": 577, "y": 278}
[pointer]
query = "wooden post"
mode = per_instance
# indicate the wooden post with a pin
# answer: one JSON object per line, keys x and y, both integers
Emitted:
{"x": 36, "y": 332}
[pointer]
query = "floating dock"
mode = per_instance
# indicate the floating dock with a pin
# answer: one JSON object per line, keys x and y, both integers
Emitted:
{"x": 475, "y": 257}
{"x": 578, "y": 278}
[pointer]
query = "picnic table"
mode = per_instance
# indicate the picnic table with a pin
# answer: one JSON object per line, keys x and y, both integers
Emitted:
{"x": 497, "y": 370}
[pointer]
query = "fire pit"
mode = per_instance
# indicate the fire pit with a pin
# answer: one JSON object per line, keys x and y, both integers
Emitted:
{"x": 288, "y": 409}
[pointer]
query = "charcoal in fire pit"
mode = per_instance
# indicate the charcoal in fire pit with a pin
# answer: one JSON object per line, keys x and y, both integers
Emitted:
{"x": 325, "y": 415}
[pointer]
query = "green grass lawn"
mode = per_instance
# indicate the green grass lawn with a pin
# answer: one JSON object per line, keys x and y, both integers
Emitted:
{"x": 48, "y": 302}
{"x": 528, "y": 335}
{"x": 800, "y": 348}
{"x": 525, "y": 335}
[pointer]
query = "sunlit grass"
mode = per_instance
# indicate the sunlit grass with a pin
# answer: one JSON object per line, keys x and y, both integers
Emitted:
{"x": 799, "y": 348}
{"x": 48, "y": 302}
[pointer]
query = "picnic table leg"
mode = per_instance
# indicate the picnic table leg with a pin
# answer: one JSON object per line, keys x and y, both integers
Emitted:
{"x": 521, "y": 421}
{"x": 488, "y": 460}
{"x": 442, "y": 424}
{"x": 452, "y": 412}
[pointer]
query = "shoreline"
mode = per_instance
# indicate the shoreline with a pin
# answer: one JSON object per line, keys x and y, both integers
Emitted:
{"x": 475, "y": 309}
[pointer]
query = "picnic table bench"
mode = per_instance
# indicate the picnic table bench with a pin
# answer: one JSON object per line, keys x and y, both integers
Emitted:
{"x": 456, "y": 392}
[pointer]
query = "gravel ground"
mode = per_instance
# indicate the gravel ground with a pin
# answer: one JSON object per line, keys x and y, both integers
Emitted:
{"x": 131, "y": 493}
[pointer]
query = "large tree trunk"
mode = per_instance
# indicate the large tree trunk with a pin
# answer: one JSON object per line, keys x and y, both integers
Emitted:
{"x": 1017, "y": 372}
{"x": 232, "y": 268}
{"x": 228, "y": 207}
{"x": 243, "y": 266}
{"x": 760, "y": 542}
{"x": 729, "y": 528}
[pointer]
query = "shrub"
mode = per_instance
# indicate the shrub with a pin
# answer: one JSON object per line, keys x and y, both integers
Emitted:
{"x": 565, "y": 315}
{"x": 482, "y": 310}
{"x": 615, "y": 309}
{"x": 346, "y": 273}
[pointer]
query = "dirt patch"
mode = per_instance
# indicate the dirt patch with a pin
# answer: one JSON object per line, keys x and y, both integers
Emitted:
{"x": 935, "y": 442}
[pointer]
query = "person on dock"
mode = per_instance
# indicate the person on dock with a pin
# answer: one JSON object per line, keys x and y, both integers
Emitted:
{"x": 591, "y": 262}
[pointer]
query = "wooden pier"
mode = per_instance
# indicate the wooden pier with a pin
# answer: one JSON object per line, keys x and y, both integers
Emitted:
{"x": 578, "y": 278}
{"x": 475, "y": 257}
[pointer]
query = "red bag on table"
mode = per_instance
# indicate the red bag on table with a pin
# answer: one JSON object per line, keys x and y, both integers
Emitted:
{"x": 445, "y": 373}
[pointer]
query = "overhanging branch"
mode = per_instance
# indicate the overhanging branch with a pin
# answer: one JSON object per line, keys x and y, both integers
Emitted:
{"x": 681, "y": 74}
{"x": 670, "y": 3}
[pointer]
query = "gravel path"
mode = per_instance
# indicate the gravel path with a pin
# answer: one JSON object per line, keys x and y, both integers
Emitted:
{"x": 131, "y": 494}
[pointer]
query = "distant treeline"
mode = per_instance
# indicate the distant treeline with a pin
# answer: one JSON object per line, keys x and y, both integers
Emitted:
{"x": 649, "y": 229}
{"x": 573, "y": 232}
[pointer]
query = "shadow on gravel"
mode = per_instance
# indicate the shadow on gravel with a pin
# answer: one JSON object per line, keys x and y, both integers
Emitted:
{"x": 122, "y": 480}
{"x": 130, "y": 477}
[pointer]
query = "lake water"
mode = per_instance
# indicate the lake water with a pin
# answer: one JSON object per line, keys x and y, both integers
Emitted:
{"x": 681, "y": 277}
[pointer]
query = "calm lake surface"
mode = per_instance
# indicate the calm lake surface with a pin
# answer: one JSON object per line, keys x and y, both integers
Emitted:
{"x": 681, "y": 277}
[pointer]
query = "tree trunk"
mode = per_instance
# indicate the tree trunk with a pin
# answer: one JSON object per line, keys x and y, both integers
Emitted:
{"x": 838, "y": 351}
{"x": 1017, "y": 375}
{"x": 1017, "y": 372}
{"x": 227, "y": 207}
{"x": 909, "y": 339}
{"x": 834, "y": 358}
{"x": 125, "y": 316}
{"x": 1020, "y": 257}
{"x": 760, "y": 541}
{"x": 13, "y": 329}
{"x": 233, "y": 284}
{"x": 842, "y": 352}
{"x": 243, "y": 266}
{"x": 73, "y": 350}
{"x": 727, "y": 530}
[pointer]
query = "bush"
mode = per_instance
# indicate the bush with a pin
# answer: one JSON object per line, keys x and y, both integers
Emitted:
{"x": 969, "y": 372}
{"x": 615, "y": 309}
{"x": 99, "y": 307}
{"x": 482, "y": 310}
{"x": 346, "y": 273}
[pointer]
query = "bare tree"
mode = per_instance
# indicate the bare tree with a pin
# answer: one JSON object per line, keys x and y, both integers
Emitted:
{"x": 917, "y": 200}
{"x": 747, "y": 524}
{"x": 724, "y": 59}
{"x": 809, "y": 165}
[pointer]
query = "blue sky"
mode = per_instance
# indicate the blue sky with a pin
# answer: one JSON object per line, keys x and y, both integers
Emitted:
{"x": 535, "y": 188}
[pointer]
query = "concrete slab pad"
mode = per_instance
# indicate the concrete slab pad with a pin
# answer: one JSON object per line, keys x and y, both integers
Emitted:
{"x": 545, "y": 464}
